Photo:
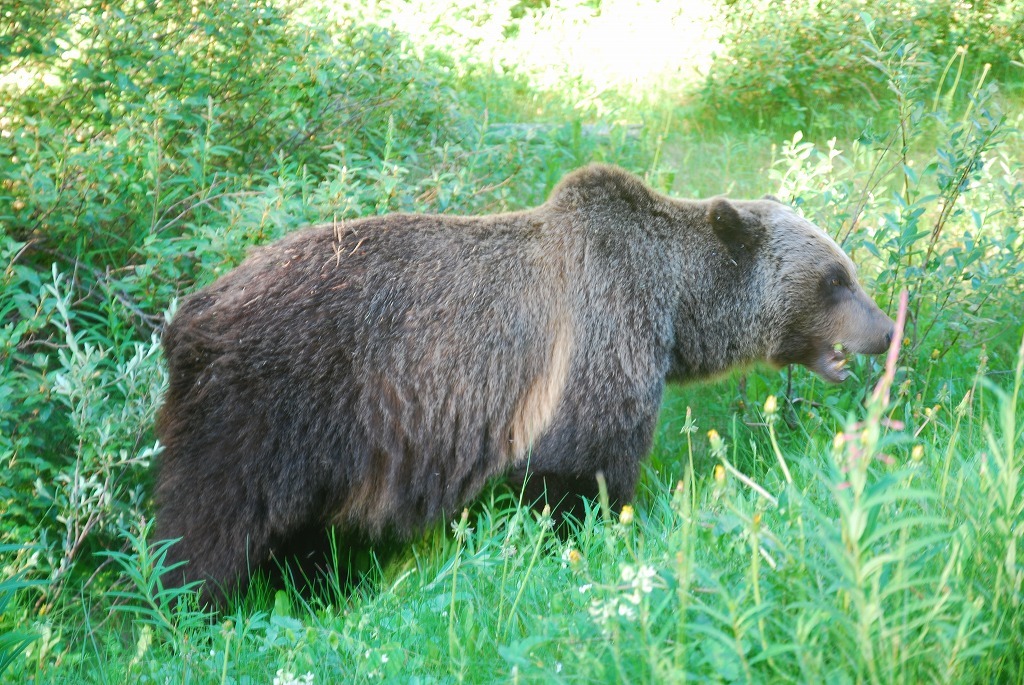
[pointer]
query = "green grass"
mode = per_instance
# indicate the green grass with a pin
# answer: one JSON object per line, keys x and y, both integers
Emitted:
{"x": 888, "y": 558}
{"x": 838, "y": 536}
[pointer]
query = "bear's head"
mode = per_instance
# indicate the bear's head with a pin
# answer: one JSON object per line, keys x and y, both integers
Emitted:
{"x": 815, "y": 310}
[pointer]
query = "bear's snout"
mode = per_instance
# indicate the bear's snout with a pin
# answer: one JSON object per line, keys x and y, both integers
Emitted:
{"x": 873, "y": 335}
{"x": 857, "y": 326}
{"x": 864, "y": 329}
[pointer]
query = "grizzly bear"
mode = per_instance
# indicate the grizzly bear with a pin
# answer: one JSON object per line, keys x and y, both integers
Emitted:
{"x": 372, "y": 376}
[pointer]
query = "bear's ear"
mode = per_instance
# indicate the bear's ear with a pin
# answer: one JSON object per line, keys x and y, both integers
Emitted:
{"x": 737, "y": 232}
{"x": 773, "y": 198}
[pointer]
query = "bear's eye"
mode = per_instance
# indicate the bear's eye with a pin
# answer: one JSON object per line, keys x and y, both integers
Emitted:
{"x": 835, "y": 277}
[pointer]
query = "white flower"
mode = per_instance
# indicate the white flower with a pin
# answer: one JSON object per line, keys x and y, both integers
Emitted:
{"x": 284, "y": 677}
{"x": 602, "y": 610}
{"x": 605, "y": 610}
{"x": 644, "y": 580}
{"x": 584, "y": 589}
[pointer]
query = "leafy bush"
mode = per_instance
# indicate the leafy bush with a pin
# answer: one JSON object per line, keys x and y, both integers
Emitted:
{"x": 12, "y": 642}
{"x": 795, "y": 65}
{"x": 149, "y": 115}
{"x": 950, "y": 224}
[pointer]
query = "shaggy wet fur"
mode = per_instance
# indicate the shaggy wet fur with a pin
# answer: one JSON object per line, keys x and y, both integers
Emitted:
{"x": 372, "y": 376}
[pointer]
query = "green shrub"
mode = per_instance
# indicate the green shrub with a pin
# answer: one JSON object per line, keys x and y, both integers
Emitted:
{"x": 932, "y": 207}
{"x": 147, "y": 116}
{"x": 799, "y": 65}
{"x": 14, "y": 641}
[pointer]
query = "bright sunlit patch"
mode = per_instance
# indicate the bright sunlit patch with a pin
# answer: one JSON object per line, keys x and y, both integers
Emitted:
{"x": 627, "y": 45}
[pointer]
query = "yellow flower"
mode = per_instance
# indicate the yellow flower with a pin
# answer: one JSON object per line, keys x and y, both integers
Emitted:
{"x": 719, "y": 474}
{"x": 626, "y": 515}
{"x": 716, "y": 440}
{"x": 917, "y": 453}
{"x": 771, "y": 405}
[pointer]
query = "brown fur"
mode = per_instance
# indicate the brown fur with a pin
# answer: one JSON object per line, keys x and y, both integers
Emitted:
{"x": 373, "y": 376}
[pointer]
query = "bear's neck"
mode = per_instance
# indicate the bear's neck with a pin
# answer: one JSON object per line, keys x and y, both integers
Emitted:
{"x": 718, "y": 321}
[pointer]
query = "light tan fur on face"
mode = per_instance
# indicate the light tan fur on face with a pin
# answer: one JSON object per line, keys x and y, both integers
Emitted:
{"x": 855, "y": 325}
{"x": 792, "y": 234}
{"x": 538, "y": 405}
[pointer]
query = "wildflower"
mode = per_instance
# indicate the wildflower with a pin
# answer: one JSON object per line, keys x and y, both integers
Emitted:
{"x": 771, "y": 405}
{"x": 285, "y": 677}
{"x": 626, "y": 515}
{"x": 640, "y": 580}
{"x": 574, "y": 557}
{"x": 626, "y": 611}
{"x": 719, "y": 474}
{"x": 461, "y": 528}
{"x": 584, "y": 589}
{"x": 689, "y": 426}
{"x": 917, "y": 453}
{"x": 602, "y": 610}
{"x": 716, "y": 440}
{"x": 571, "y": 556}
{"x": 545, "y": 520}
{"x": 645, "y": 579}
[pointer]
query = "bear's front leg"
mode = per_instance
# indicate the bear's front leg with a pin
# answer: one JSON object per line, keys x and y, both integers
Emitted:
{"x": 562, "y": 469}
{"x": 568, "y": 493}
{"x": 211, "y": 550}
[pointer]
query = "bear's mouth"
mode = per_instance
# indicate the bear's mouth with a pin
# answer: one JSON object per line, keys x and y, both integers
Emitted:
{"x": 831, "y": 364}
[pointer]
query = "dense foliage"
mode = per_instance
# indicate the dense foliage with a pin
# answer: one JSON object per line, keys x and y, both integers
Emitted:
{"x": 831, "y": 534}
{"x": 816, "y": 64}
